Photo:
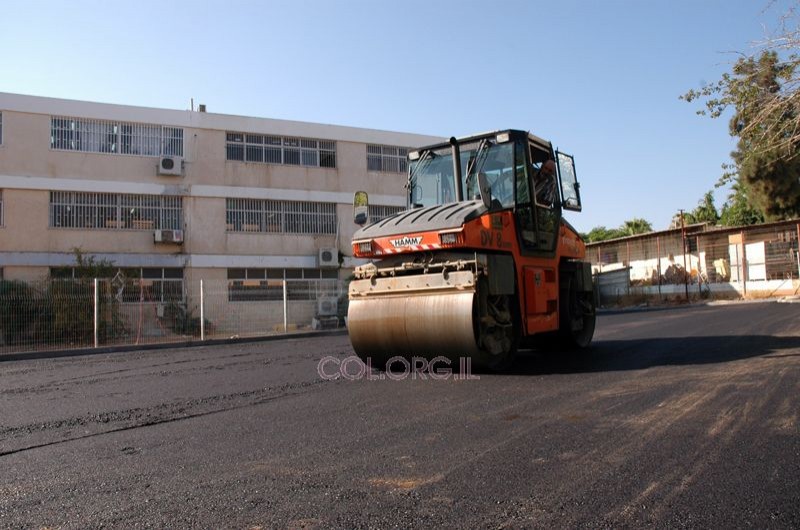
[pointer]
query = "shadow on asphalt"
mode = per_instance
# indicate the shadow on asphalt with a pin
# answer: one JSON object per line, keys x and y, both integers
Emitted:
{"x": 638, "y": 354}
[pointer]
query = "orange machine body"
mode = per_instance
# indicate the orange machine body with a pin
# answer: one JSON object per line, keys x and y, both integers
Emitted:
{"x": 496, "y": 232}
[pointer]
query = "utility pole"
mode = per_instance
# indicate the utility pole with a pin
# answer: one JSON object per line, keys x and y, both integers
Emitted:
{"x": 685, "y": 269}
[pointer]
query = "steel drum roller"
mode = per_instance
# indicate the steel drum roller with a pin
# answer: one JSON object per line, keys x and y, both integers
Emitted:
{"x": 434, "y": 318}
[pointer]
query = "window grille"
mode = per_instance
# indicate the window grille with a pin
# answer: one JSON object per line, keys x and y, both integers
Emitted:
{"x": 387, "y": 158}
{"x": 264, "y": 285}
{"x": 270, "y": 216}
{"x": 100, "y": 136}
{"x": 280, "y": 150}
{"x": 161, "y": 285}
{"x": 153, "y": 285}
{"x": 378, "y": 212}
{"x": 70, "y": 209}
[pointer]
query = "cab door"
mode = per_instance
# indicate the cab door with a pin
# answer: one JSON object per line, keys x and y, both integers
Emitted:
{"x": 547, "y": 214}
{"x": 523, "y": 204}
{"x": 570, "y": 188}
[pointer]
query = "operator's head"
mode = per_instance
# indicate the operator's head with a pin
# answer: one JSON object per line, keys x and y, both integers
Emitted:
{"x": 549, "y": 167}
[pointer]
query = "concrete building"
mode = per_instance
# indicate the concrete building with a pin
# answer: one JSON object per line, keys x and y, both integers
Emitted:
{"x": 173, "y": 195}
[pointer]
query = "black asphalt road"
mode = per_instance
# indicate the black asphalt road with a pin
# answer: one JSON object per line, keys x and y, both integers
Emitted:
{"x": 677, "y": 418}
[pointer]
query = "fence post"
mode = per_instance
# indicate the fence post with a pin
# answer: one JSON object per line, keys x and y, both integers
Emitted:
{"x": 699, "y": 268}
{"x": 202, "y": 312}
{"x": 628, "y": 248}
{"x": 798, "y": 251}
{"x": 285, "y": 312}
{"x": 744, "y": 270}
{"x": 658, "y": 266}
{"x": 96, "y": 304}
{"x": 628, "y": 264}
{"x": 685, "y": 269}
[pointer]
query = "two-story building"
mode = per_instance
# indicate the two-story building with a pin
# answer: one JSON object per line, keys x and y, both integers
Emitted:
{"x": 172, "y": 195}
{"x": 252, "y": 206}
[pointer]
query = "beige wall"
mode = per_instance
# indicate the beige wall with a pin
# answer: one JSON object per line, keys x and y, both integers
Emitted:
{"x": 26, "y": 229}
{"x": 205, "y": 220}
{"x": 26, "y": 152}
{"x": 26, "y": 138}
{"x": 27, "y": 274}
{"x": 29, "y": 169}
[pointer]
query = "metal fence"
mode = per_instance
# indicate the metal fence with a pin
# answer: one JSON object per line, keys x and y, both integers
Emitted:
{"x": 85, "y": 313}
{"x": 758, "y": 261}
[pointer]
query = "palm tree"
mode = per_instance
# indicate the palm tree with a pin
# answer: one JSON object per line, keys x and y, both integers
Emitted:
{"x": 635, "y": 226}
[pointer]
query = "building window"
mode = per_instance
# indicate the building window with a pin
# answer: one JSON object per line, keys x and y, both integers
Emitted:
{"x": 280, "y": 217}
{"x": 264, "y": 285}
{"x": 153, "y": 285}
{"x": 99, "y": 136}
{"x": 609, "y": 256}
{"x": 386, "y": 158}
{"x": 70, "y": 209}
{"x": 378, "y": 212}
{"x": 1, "y": 128}
{"x": 135, "y": 284}
{"x": 280, "y": 150}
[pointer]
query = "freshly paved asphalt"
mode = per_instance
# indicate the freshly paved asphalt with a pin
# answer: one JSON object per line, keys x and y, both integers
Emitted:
{"x": 676, "y": 418}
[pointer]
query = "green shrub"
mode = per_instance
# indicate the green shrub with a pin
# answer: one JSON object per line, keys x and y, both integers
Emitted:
{"x": 22, "y": 309}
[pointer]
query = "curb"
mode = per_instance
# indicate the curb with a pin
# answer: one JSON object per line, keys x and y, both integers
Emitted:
{"x": 753, "y": 301}
{"x": 76, "y": 352}
{"x": 711, "y": 303}
{"x": 645, "y": 309}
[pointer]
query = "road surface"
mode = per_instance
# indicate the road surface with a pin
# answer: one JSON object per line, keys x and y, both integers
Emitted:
{"x": 676, "y": 418}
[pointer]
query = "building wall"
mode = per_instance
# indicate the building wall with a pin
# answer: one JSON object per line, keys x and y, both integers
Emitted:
{"x": 30, "y": 169}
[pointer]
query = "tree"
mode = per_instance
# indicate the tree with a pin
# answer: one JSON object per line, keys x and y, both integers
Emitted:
{"x": 601, "y": 233}
{"x": 764, "y": 93}
{"x": 705, "y": 212}
{"x": 635, "y": 226}
{"x": 738, "y": 209}
{"x": 771, "y": 182}
{"x": 89, "y": 267}
{"x": 628, "y": 228}
{"x": 70, "y": 302}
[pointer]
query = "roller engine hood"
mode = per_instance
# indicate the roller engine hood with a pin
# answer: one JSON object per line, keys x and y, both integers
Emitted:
{"x": 438, "y": 217}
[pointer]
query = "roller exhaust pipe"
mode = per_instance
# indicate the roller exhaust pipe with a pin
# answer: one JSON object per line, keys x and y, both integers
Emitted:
{"x": 457, "y": 168}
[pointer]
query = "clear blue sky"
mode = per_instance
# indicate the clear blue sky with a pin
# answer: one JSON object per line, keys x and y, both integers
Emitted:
{"x": 601, "y": 79}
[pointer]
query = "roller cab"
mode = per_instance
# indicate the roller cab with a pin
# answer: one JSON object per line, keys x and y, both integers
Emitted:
{"x": 480, "y": 264}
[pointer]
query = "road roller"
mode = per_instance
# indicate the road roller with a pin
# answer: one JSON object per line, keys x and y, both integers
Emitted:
{"x": 480, "y": 264}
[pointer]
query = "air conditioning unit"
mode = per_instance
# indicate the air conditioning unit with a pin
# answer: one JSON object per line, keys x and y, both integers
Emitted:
{"x": 170, "y": 165}
{"x": 327, "y": 306}
{"x": 168, "y": 236}
{"x": 328, "y": 258}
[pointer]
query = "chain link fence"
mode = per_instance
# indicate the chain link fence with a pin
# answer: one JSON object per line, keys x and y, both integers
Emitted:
{"x": 756, "y": 262}
{"x": 84, "y": 313}
{"x": 53, "y": 314}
